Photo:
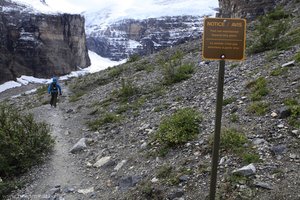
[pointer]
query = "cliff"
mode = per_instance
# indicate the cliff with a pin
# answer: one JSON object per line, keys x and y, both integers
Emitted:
{"x": 248, "y": 9}
{"x": 40, "y": 45}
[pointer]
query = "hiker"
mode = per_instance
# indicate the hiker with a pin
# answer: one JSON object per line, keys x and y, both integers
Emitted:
{"x": 53, "y": 89}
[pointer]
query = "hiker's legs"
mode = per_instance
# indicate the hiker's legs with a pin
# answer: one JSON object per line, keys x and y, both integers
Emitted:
{"x": 54, "y": 98}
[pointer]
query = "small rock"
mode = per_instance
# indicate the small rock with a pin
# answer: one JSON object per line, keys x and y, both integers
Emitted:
{"x": 274, "y": 114}
{"x": 120, "y": 165}
{"x": 144, "y": 145}
{"x": 67, "y": 133}
{"x": 80, "y": 145}
{"x": 24, "y": 197}
{"x": 291, "y": 63}
{"x": 295, "y": 132}
{"x": 102, "y": 161}
{"x": 284, "y": 112}
{"x": 88, "y": 164}
{"x": 53, "y": 191}
{"x": 222, "y": 160}
{"x": 280, "y": 126}
{"x": 293, "y": 156}
{"x": 177, "y": 194}
{"x": 246, "y": 170}
{"x": 127, "y": 182}
{"x": 183, "y": 178}
{"x": 69, "y": 111}
{"x": 86, "y": 191}
{"x": 69, "y": 190}
{"x": 258, "y": 141}
{"x": 279, "y": 149}
{"x": 154, "y": 180}
{"x": 263, "y": 185}
{"x": 1, "y": 180}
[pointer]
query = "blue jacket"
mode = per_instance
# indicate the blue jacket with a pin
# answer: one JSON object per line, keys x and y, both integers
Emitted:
{"x": 51, "y": 90}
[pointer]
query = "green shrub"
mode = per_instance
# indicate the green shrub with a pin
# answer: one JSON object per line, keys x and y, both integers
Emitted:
{"x": 173, "y": 69}
{"x": 297, "y": 57}
{"x": 127, "y": 90}
{"x": 258, "y": 88}
{"x": 250, "y": 158}
{"x": 294, "y": 106}
{"x": 269, "y": 31}
{"x": 106, "y": 118}
{"x": 259, "y": 108}
{"x": 115, "y": 71}
{"x": 76, "y": 96}
{"x": 164, "y": 171}
{"x": 232, "y": 140}
{"x": 234, "y": 117}
{"x": 229, "y": 101}
{"x": 134, "y": 57}
{"x": 23, "y": 143}
{"x": 179, "y": 128}
{"x": 272, "y": 54}
{"x": 279, "y": 71}
{"x": 42, "y": 90}
{"x": 175, "y": 74}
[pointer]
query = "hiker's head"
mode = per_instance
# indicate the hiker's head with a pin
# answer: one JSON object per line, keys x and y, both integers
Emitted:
{"x": 54, "y": 79}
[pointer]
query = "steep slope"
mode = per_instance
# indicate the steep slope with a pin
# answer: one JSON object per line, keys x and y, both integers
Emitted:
{"x": 126, "y": 129}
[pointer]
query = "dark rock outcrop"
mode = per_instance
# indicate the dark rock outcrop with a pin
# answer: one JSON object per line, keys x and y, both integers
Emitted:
{"x": 143, "y": 37}
{"x": 248, "y": 9}
{"x": 40, "y": 45}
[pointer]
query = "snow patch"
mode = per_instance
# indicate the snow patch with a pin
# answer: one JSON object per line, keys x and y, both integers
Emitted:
{"x": 98, "y": 63}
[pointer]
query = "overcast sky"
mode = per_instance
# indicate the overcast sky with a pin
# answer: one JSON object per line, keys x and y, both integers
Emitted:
{"x": 79, "y": 6}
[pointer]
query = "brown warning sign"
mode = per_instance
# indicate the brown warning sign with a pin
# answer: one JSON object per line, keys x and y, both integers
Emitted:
{"x": 224, "y": 39}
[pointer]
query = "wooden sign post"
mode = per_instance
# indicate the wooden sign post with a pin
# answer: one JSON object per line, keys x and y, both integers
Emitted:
{"x": 223, "y": 39}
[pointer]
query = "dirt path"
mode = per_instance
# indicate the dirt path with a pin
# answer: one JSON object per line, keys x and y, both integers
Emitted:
{"x": 61, "y": 177}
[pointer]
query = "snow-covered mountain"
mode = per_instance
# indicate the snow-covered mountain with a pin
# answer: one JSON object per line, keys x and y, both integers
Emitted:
{"x": 117, "y": 29}
{"x": 144, "y": 27}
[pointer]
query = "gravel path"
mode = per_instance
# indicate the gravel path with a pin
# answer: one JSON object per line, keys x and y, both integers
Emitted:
{"x": 60, "y": 177}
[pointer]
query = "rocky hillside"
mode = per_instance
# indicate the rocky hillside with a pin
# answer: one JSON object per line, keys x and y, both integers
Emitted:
{"x": 120, "y": 116}
{"x": 249, "y": 9}
{"x": 39, "y": 45}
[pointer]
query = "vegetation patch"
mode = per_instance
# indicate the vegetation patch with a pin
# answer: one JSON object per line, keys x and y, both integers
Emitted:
{"x": 106, "y": 118}
{"x": 258, "y": 107}
{"x": 297, "y": 57}
{"x": 179, "y": 128}
{"x": 173, "y": 69}
{"x": 258, "y": 89}
{"x": 115, "y": 72}
{"x": 127, "y": 90}
{"x": 232, "y": 140}
{"x": 134, "y": 58}
{"x": 279, "y": 71}
{"x": 24, "y": 143}
{"x": 294, "y": 106}
{"x": 76, "y": 96}
{"x": 250, "y": 157}
{"x": 234, "y": 117}
{"x": 269, "y": 31}
{"x": 272, "y": 54}
{"x": 229, "y": 100}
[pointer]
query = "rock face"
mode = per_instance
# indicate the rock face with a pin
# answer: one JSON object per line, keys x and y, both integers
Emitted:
{"x": 40, "y": 45}
{"x": 121, "y": 39}
{"x": 248, "y": 9}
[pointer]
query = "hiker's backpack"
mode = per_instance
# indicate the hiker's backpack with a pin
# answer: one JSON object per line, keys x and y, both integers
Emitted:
{"x": 53, "y": 87}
